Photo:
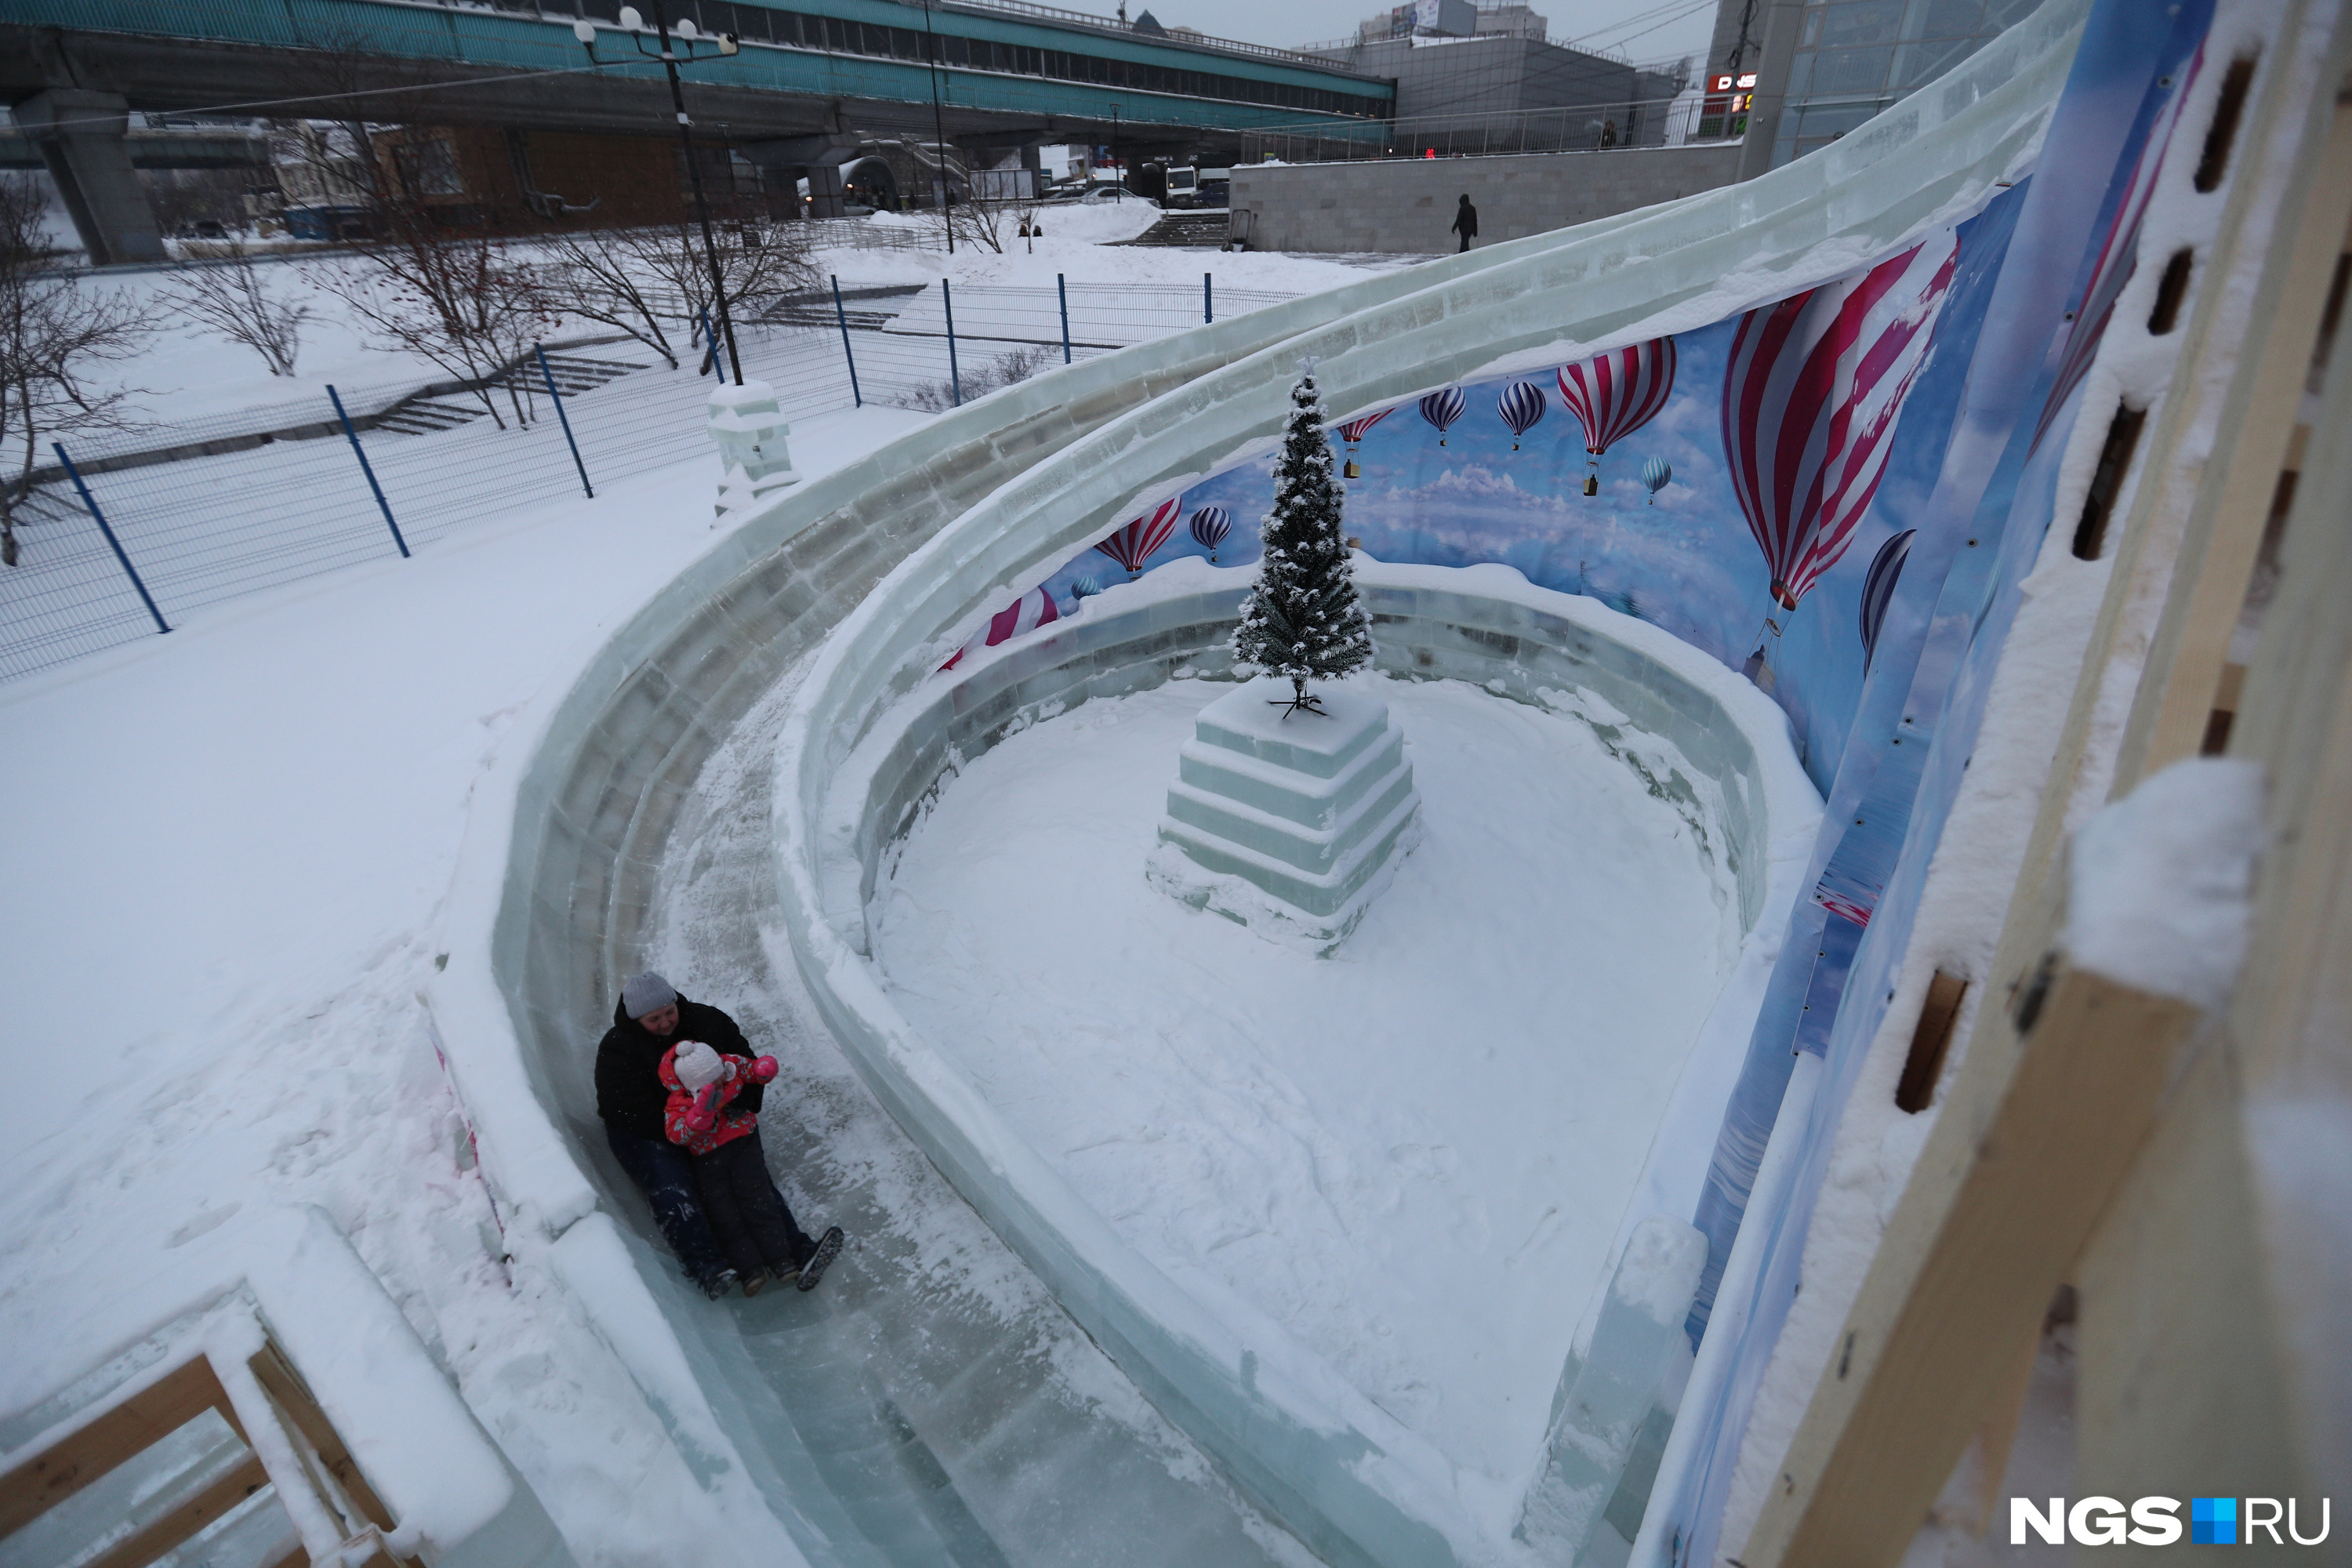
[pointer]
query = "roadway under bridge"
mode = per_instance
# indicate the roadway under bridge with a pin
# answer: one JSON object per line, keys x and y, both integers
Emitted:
{"x": 811, "y": 81}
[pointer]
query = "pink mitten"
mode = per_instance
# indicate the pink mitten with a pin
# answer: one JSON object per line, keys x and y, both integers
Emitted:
{"x": 764, "y": 1069}
{"x": 705, "y": 1109}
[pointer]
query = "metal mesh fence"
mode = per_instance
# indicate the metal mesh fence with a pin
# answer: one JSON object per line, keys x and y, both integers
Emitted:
{"x": 209, "y": 510}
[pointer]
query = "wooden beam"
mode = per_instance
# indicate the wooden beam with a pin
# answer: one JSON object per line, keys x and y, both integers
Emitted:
{"x": 1972, "y": 1250}
{"x": 46, "y": 1478}
{"x": 2173, "y": 709}
{"x": 1924, "y": 1377}
{"x": 293, "y": 1399}
{"x": 205, "y": 1508}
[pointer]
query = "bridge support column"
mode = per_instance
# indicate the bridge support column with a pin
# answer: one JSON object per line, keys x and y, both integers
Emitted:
{"x": 80, "y": 135}
{"x": 825, "y": 190}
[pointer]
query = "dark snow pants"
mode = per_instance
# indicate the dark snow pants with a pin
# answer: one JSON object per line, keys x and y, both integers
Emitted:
{"x": 754, "y": 1227}
{"x": 664, "y": 1174}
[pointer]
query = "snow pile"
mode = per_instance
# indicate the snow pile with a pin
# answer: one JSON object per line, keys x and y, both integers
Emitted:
{"x": 2159, "y": 882}
{"x": 1414, "y": 1156}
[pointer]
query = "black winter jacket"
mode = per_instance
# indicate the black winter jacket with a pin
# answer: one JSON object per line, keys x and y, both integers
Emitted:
{"x": 629, "y": 1092}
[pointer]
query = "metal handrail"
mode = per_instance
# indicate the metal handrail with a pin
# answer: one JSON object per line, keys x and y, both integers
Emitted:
{"x": 1107, "y": 25}
{"x": 1409, "y": 137}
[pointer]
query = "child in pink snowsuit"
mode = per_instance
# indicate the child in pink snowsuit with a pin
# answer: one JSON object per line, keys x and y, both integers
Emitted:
{"x": 748, "y": 1217}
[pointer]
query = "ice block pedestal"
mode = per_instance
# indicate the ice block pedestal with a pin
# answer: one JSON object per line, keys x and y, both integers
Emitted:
{"x": 1289, "y": 823}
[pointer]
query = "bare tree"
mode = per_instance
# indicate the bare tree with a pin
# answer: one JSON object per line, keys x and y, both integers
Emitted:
{"x": 596, "y": 276}
{"x": 463, "y": 303}
{"x": 232, "y": 300}
{"x": 53, "y": 333}
{"x": 984, "y": 222}
{"x": 754, "y": 263}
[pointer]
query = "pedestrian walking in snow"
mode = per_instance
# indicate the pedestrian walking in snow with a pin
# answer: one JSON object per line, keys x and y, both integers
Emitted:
{"x": 1465, "y": 221}
{"x": 648, "y": 1021}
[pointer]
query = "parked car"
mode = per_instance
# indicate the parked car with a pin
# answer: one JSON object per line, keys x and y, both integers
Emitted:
{"x": 1091, "y": 196}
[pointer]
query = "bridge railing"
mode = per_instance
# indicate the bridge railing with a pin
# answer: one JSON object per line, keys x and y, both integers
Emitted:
{"x": 1600, "y": 126}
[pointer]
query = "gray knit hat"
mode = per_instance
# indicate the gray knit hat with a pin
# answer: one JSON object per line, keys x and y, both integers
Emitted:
{"x": 648, "y": 993}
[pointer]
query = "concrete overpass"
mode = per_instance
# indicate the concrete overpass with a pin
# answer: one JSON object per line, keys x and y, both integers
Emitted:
{"x": 813, "y": 78}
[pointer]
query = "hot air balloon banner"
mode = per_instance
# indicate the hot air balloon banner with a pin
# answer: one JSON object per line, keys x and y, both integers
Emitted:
{"x": 1521, "y": 405}
{"x": 1772, "y": 450}
{"x": 1809, "y": 398}
{"x": 1351, "y": 432}
{"x": 1442, "y": 409}
{"x": 2118, "y": 258}
{"x": 1210, "y": 526}
{"x": 1134, "y": 542}
{"x": 1033, "y": 609}
{"x": 1614, "y": 394}
{"x": 1878, "y": 588}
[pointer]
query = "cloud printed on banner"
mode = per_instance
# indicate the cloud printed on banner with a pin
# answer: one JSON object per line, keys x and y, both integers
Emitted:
{"x": 1689, "y": 563}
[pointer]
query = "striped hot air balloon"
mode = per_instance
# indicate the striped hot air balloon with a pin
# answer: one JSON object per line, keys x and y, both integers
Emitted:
{"x": 1442, "y": 409}
{"x": 1878, "y": 589}
{"x": 1027, "y": 613}
{"x": 1614, "y": 394}
{"x": 2117, "y": 259}
{"x": 1810, "y": 401}
{"x": 1134, "y": 542}
{"x": 1656, "y": 475}
{"x": 1521, "y": 405}
{"x": 1352, "y": 432}
{"x": 1210, "y": 526}
{"x": 1086, "y": 587}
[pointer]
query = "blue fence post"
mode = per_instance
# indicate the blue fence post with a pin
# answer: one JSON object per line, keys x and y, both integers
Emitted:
{"x": 955, "y": 377}
{"x": 112, "y": 542}
{"x": 839, "y": 314}
{"x": 549, "y": 376}
{"x": 1063, "y": 290}
{"x": 1208, "y": 301}
{"x": 382, "y": 505}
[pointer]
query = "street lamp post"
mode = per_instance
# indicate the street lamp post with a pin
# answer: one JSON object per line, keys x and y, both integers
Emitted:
{"x": 939, "y": 134}
{"x": 631, "y": 22}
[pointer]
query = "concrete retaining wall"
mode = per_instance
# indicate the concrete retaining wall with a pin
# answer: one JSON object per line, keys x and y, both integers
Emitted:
{"x": 1406, "y": 205}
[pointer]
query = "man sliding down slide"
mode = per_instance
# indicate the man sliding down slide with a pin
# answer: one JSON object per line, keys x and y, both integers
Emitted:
{"x": 665, "y": 1053}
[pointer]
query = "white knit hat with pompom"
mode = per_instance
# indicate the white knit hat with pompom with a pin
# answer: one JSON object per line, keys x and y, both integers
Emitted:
{"x": 697, "y": 1065}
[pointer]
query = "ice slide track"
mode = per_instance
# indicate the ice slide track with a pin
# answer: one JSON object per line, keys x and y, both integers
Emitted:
{"x": 566, "y": 886}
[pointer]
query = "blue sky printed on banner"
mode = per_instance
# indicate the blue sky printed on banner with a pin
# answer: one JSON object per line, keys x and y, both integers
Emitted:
{"x": 1688, "y": 564}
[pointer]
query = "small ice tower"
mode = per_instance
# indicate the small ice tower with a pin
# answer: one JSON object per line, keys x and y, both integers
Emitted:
{"x": 751, "y": 430}
{"x": 1290, "y": 822}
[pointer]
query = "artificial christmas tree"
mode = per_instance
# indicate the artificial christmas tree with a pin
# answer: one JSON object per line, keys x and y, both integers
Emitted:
{"x": 1293, "y": 829}
{"x": 1302, "y": 620}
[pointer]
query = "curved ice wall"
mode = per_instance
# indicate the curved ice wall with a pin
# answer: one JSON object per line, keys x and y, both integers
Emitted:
{"x": 1080, "y": 448}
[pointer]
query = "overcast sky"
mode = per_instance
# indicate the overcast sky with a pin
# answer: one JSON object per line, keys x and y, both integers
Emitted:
{"x": 1643, "y": 29}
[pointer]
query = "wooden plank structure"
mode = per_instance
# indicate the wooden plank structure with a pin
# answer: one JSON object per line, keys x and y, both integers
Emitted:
{"x": 2114, "y": 1144}
{"x": 324, "y": 1468}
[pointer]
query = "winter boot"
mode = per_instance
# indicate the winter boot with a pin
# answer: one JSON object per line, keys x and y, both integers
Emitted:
{"x": 812, "y": 1268}
{"x": 718, "y": 1284}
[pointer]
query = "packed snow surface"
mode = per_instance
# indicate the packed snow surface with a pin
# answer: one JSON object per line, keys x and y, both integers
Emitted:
{"x": 2159, "y": 883}
{"x": 1411, "y": 1157}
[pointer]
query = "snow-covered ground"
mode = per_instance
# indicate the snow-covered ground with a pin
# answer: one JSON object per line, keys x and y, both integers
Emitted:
{"x": 188, "y": 372}
{"x": 1412, "y": 1157}
{"x": 227, "y": 850}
